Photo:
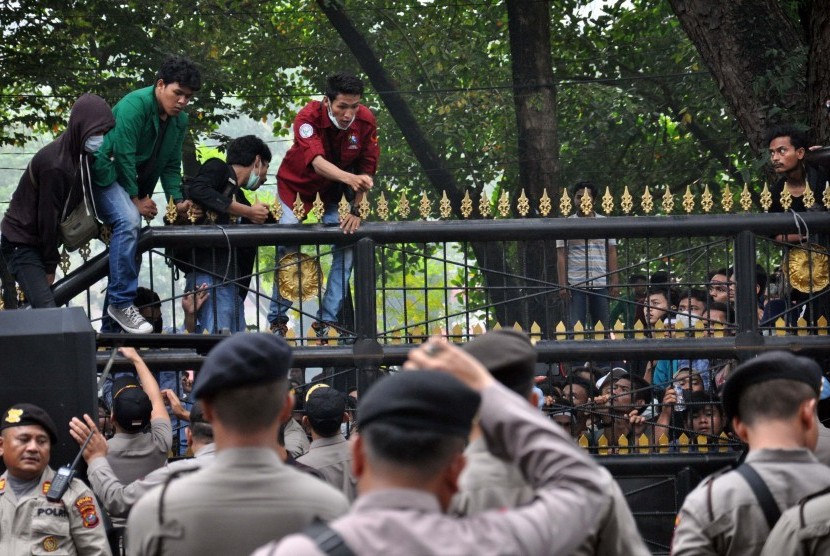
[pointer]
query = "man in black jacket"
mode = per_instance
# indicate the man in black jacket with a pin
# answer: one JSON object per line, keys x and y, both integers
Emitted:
{"x": 216, "y": 188}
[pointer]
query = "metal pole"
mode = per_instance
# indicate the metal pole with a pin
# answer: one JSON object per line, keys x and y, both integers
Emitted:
{"x": 746, "y": 298}
{"x": 368, "y": 353}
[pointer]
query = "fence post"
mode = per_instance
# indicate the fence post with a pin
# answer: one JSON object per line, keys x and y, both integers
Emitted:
{"x": 367, "y": 351}
{"x": 746, "y": 300}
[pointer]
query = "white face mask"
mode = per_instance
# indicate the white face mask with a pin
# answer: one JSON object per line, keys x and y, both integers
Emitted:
{"x": 334, "y": 121}
{"x": 93, "y": 143}
{"x": 253, "y": 179}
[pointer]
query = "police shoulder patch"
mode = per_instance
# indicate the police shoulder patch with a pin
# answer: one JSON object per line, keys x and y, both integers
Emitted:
{"x": 89, "y": 515}
{"x": 306, "y": 130}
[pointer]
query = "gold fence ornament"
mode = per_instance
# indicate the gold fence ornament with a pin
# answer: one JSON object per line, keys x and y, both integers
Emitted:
{"x": 586, "y": 203}
{"x": 706, "y": 201}
{"x": 647, "y": 202}
{"x": 766, "y": 198}
{"x": 444, "y": 207}
{"x": 363, "y": 208}
{"x": 726, "y": 199}
{"x": 545, "y": 205}
{"x": 808, "y": 198}
{"x": 746, "y": 198}
{"x": 299, "y": 208}
{"x": 425, "y": 206}
{"x": 276, "y": 208}
{"x": 627, "y": 201}
{"x": 825, "y": 198}
{"x": 318, "y": 208}
{"x": 344, "y": 207}
{"x": 668, "y": 201}
{"x": 607, "y": 202}
{"x": 523, "y": 204}
{"x": 403, "y": 206}
{"x": 807, "y": 268}
{"x": 504, "y": 204}
{"x": 64, "y": 261}
{"x": 688, "y": 200}
{"x": 565, "y": 203}
{"x": 85, "y": 251}
{"x": 170, "y": 214}
{"x": 299, "y": 276}
{"x": 466, "y": 204}
{"x": 786, "y": 198}
{"x": 382, "y": 209}
{"x": 484, "y": 205}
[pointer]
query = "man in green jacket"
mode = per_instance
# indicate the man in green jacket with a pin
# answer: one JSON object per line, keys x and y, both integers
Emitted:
{"x": 144, "y": 146}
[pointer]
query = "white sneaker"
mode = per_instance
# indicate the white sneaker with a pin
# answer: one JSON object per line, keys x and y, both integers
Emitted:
{"x": 130, "y": 319}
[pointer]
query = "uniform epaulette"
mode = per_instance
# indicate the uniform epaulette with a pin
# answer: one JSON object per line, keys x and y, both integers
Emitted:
{"x": 709, "y": 480}
{"x": 806, "y": 499}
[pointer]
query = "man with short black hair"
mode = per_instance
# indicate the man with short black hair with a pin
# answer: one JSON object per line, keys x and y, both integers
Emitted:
{"x": 409, "y": 454}
{"x": 29, "y": 522}
{"x": 325, "y": 411}
{"x": 335, "y": 153}
{"x": 247, "y": 496}
{"x": 217, "y": 189}
{"x": 144, "y": 146}
{"x": 771, "y": 404}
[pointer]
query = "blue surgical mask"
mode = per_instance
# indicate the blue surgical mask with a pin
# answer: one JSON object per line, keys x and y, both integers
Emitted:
{"x": 93, "y": 143}
{"x": 334, "y": 120}
{"x": 253, "y": 179}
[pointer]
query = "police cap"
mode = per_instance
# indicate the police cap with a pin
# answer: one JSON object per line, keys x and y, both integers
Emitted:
{"x": 769, "y": 366}
{"x": 244, "y": 359}
{"x": 508, "y": 355}
{"x": 23, "y": 414}
{"x": 421, "y": 400}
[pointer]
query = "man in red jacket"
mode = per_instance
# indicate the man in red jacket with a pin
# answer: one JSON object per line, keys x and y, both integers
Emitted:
{"x": 335, "y": 152}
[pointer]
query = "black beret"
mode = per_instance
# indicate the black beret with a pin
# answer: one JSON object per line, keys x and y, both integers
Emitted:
{"x": 421, "y": 400}
{"x": 325, "y": 405}
{"x": 23, "y": 414}
{"x": 131, "y": 406}
{"x": 769, "y": 366}
{"x": 508, "y": 355}
{"x": 197, "y": 414}
{"x": 244, "y": 359}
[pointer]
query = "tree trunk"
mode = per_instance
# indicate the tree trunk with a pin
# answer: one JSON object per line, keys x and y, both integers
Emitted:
{"x": 818, "y": 72}
{"x": 741, "y": 41}
{"x": 534, "y": 99}
{"x": 497, "y": 278}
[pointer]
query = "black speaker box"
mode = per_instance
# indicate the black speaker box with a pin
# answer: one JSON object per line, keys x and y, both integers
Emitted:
{"x": 47, "y": 357}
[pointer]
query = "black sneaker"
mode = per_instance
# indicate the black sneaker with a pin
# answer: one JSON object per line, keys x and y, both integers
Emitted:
{"x": 130, "y": 319}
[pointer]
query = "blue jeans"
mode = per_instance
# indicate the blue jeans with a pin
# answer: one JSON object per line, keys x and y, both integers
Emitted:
{"x": 338, "y": 278}
{"x": 115, "y": 208}
{"x": 26, "y": 264}
{"x": 223, "y": 308}
{"x": 589, "y": 306}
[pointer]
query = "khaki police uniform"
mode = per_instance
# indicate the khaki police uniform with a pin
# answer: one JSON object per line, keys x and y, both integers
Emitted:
{"x": 33, "y": 525}
{"x": 132, "y": 456}
{"x": 803, "y": 530}
{"x": 245, "y": 498}
{"x": 296, "y": 440}
{"x": 118, "y": 498}
{"x": 409, "y": 521}
{"x": 823, "y": 444}
{"x": 333, "y": 459}
{"x": 488, "y": 483}
{"x": 723, "y": 516}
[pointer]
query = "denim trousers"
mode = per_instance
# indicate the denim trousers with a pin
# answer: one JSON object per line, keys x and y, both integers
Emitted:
{"x": 115, "y": 208}
{"x": 26, "y": 264}
{"x": 338, "y": 278}
{"x": 223, "y": 308}
{"x": 589, "y": 305}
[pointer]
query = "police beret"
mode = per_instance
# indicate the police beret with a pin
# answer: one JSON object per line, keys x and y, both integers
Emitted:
{"x": 244, "y": 359}
{"x": 23, "y": 414}
{"x": 131, "y": 406}
{"x": 508, "y": 355}
{"x": 325, "y": 406}
{"x": 197, "y": 415}
{"x": 769, "y": 366}
{"x": 421, "y": 400}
